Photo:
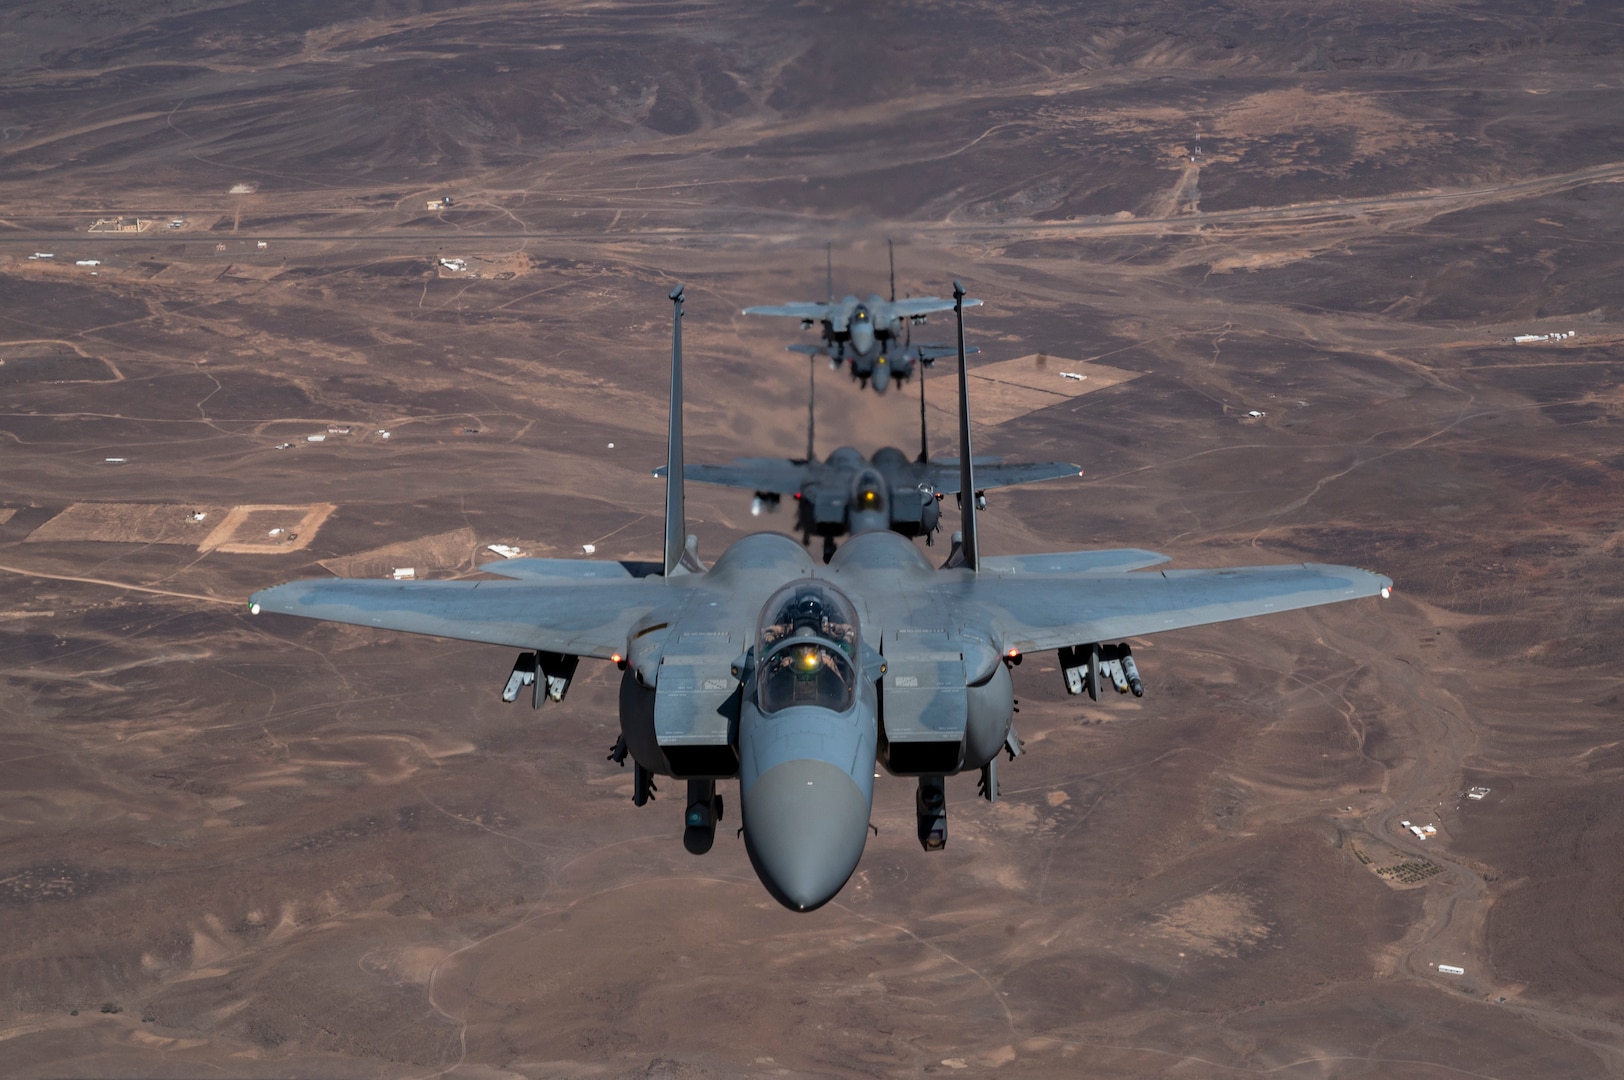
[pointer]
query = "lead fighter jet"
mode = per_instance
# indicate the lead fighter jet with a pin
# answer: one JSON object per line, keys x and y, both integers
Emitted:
{"x": 873, "y": 335}
{"x": 771, "y": 668}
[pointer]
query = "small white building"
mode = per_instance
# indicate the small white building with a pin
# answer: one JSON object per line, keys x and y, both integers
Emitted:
{"x": 404, "y": 573}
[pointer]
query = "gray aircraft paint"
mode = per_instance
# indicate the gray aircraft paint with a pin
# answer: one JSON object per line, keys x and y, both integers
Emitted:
{"x": 868, "y": 335}
{"x": 824, "y": 493}
{"x": 934, "y": 643}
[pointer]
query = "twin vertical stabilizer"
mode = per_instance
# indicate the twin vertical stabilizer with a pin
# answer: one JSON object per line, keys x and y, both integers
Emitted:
{"x": 966, "y": 554}
{"x": 678, "y": 559}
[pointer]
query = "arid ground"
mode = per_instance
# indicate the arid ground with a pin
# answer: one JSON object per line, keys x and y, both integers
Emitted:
{"x": 1290, "y": 244}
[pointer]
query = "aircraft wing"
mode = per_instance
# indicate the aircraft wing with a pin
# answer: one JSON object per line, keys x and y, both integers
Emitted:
{"x": 946, "y": 478}
{"x": 910, "y": 306}
{"x": 808, "y": 310}
{"x": 1036, "y": 612}
{"x": 590, "y": 619}
{"x": 931, "y": 353}
{"x": 779, "y": 475}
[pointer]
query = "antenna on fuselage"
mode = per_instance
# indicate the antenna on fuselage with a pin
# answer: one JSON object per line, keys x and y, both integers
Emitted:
{"x": 677, "y": 559}
{"x": 967, "y": 470}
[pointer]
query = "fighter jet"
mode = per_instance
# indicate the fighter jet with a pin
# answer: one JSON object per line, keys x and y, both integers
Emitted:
{"x": 849, "y": 493}
{"x": 873, "y": 335}
{"x": 799, "y": 679}
{"x": 845, "y": 493}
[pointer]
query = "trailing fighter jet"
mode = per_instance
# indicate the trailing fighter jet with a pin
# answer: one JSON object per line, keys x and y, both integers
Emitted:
{"x": 873, "y": 335}
{"x": 771, "y": 668}
{"x": 848, "y": 492}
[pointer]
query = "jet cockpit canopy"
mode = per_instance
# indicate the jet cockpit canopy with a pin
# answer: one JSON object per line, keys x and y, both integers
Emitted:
{"x": 805, "y": 649}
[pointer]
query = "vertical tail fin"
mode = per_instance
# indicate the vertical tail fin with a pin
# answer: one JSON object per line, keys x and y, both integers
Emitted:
{"x": 891, "y": 254}
{"x": 924, "y": 435}
{"x": 967, "y": 471}
{"x": 676, "y": 522}
{"x": 811, "y": 409}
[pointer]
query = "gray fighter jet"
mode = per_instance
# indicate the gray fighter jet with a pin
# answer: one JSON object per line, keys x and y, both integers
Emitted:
{"x": 799, "y": 679}
{"x": 849, "y": 493}
{"x": 873, "y": 336}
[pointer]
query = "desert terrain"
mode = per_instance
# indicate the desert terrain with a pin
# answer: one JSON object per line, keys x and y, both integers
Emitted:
{"x": 1291, "y": 246}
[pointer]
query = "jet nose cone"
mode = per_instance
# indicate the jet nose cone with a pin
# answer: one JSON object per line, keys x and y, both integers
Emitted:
{"x": 862, "y": 335}
{"x": 805, "y": 823}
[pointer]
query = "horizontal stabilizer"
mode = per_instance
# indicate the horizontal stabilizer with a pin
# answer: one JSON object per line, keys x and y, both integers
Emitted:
{"x": 571, "y": 569}
{"x": 1105, "y": 561}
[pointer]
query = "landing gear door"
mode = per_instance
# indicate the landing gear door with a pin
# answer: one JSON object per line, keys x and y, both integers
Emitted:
{"x": 923, "y": 701}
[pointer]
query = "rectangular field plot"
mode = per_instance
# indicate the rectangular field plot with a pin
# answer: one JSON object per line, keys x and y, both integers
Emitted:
{"x": 130, "y": 523}
{"x": 267, "y": 529}
{"x": 426, "y": 556}
{"x": 1004, "y": 391}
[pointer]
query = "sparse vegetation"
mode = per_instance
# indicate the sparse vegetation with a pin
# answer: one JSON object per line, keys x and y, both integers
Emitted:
{"x": 1408, "y": 873}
